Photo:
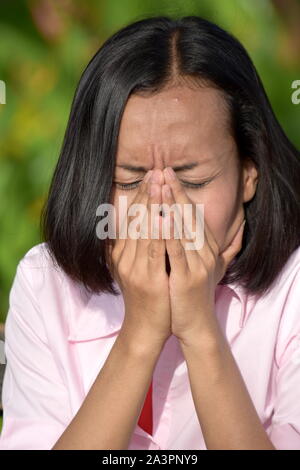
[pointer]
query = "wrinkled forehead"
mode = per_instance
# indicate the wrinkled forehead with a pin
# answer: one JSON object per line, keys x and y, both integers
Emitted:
{"x": 175, "y": 126}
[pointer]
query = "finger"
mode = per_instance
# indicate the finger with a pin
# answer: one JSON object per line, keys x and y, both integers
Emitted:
{"x": 210, "y": 245}
{"x": 142, "y": 243}
{"x": 210, "y": 240}
{"x": 171, "y": 179}
{"x": 182, "y": 230}
{"x": 175, "y": 249}
{"x": 129, "y": 243}
{"x": 182, "y": 200}
{"x": 227, "y": 255}
{"x": 156, "y": 249}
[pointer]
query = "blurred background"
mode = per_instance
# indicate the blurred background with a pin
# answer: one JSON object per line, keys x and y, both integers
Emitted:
{"x": 45, "y": 46}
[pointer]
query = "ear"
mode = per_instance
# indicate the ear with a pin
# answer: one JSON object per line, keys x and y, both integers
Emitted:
{"x": 250, "y": 179}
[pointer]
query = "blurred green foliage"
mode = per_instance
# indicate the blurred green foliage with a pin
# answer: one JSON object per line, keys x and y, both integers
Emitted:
{"x": 45, "y": 46}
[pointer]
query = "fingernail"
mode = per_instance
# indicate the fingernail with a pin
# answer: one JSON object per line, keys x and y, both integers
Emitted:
{"x": 171, "y": 173}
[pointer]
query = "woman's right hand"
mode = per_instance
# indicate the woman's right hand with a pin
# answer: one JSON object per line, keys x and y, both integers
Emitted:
{"x": 139, "y": 267}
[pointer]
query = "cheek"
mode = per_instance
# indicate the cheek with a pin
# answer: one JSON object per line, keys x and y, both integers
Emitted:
{"x": 221, "y": 208}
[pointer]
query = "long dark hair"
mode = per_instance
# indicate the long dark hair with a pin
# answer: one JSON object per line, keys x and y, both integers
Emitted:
{"x": 145, "y": 57}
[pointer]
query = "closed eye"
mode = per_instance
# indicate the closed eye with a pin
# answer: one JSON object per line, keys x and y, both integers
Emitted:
{"x": 129, "y": 186}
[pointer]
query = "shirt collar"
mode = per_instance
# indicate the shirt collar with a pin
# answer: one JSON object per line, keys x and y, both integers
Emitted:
{"x": 241, "y": 293}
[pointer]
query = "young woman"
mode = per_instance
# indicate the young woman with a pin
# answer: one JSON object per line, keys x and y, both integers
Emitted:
{"x": 208, "y": 340}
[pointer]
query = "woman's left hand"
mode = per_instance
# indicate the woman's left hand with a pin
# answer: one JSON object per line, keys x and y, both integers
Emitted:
{"x": 194, "y": 273}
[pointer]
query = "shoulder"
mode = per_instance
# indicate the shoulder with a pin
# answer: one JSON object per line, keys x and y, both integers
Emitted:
{"x": 286, "y": 293}
{"x": 292, "y": 266}
{"x": 40, "y": 297}
{"x": 286, "y": 282}
{"x": 286, "y": 287}
{"x": 38, "y": 266}
{"x": 37, "y": 257}
{"x": 37, "y": 280}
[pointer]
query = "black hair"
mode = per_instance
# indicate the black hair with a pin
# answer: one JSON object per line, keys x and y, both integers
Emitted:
{"x": 145, "y": 57}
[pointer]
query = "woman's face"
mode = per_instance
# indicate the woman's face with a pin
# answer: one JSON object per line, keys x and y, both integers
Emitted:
{"x": 185, "y": 126}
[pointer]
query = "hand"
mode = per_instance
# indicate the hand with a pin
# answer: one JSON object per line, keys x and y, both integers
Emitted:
{"x": 194, "y": 273}
{"x": 139, "y": 268}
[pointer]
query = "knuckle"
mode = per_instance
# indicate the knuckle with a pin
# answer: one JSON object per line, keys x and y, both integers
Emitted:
{"x": 134, "y": 281}
{"x": 122, "y": 269}
{"x": 192, "y": 278}
{"x": 177, "y": 251}
{"x": 112, "y": 266}
{"x": 155, "y": 250}
{"x": 202, "y": 272}
{"x": 114, "y": 257}
{"x": 137, "y": 283}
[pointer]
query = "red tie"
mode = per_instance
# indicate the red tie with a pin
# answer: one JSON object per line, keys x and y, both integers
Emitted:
{"x": 145, "y": 419}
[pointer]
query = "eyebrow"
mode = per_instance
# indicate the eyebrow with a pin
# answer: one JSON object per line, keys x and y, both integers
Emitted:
{"x": 139, "y": 169}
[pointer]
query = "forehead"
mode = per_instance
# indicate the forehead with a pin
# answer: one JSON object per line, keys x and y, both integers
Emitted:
{"x": 174, "y": 122}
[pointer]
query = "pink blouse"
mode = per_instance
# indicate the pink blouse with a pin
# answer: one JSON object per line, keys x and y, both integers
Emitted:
{"x": 57, "y": 338}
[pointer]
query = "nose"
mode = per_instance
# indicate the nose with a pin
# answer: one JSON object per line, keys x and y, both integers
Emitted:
{"x": 157, "y": 176}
